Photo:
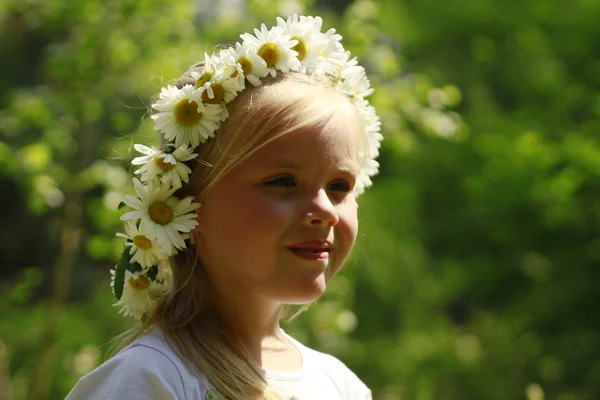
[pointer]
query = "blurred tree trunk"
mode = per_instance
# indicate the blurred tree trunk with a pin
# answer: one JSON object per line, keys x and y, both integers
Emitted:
{"x": 69, "y": 250}
{"x": 71, "y": 231}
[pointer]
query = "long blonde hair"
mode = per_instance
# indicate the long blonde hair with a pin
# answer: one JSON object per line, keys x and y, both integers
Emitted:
{"x": 189, "y": 315}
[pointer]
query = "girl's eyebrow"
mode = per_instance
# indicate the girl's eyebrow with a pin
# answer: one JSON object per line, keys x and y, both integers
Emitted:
{"x": 279, "y": 162}
{"x": 285, "y": 163}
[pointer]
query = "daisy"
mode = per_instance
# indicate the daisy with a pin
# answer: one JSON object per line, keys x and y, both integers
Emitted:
{"x": 275, "y": 47}
{"x": 369, "y": 169}
{"x": 252, "y": 66}
{"x": 208, "y": 69}
{"x": 169, "y": 166}
{"x": 230, "y": 64}
{"x": 220, "y": 86}
{"x": 218, "y": 79}
{"x": 186, "y": 121}
{"x": 162, "y": 216}
{"x": 372, "y": 124}
{"x": 143, "y": 250}
{"x": 333, "y": 43}
{"x": 354, "y": 81}
{"x": 140, "y": 294}
{"x": 311, "y": 42}
{"x": 332, "y": 64}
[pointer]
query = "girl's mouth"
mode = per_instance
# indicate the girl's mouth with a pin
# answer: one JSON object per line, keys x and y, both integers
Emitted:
{"x": 311, "y": 253}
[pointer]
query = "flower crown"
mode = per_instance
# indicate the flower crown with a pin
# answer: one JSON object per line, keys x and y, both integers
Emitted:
{"x": 160, "y": 223}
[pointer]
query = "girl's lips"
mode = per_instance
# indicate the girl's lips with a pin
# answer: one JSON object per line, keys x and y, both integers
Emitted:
{"x": 311, "y": 254}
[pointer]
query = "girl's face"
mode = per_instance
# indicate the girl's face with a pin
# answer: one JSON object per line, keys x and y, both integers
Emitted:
{"x": 281, "y": 224}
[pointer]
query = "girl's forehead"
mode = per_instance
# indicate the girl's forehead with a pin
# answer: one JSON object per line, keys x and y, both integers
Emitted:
{"x": 334, "y": 142}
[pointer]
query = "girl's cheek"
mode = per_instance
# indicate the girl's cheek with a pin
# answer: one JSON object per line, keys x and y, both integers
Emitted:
{"x": 349, "y": 225}
{"x": 265, "y": 211}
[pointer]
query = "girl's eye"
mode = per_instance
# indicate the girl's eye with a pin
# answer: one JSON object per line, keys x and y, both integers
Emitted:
{"x": 283, "y": 181}
{"x": 340, "y": 186}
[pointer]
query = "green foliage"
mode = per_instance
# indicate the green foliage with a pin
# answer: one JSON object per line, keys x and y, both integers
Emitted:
{"x": 120, "y": 269}
{"x": 474, "y": 276}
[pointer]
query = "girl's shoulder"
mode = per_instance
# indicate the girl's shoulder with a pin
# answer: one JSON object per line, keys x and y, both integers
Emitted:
{"x": 146, "y": 369}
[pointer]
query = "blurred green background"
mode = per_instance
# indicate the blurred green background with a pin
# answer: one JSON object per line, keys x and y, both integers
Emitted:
{"x": 476, "y": 274}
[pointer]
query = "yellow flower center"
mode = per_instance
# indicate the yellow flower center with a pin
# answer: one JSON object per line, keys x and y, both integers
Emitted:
{"x": 246, "y": 64}
{"x": 160, "y": 163}
{"x": 142, "y": 242}
{"x": 205, "y": 77}
{"x": 300, "y": 48}
{"x": 186, "y": 112}
{"x": 219, "y": 94}
{"x": 160, "y": 213}
{"x": 140, "y": 283}
{"x": 270, "y": 53}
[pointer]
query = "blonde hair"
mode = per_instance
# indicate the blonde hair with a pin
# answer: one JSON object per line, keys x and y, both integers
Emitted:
{"x": 189, "y": 315}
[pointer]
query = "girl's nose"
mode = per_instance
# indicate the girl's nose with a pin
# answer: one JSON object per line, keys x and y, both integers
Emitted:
{"x": 320, "y": 211}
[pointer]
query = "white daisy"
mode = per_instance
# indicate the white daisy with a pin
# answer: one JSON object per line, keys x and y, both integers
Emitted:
{"x": 311, "y": 42}
{"x": 168, "y": 167}
{"x": 162, "y": 216}
{"x": 143, "y": 250}
{"x": 354, "y": 81}
{"x": 332, "y": 64}
{"x": 369, "y": 169}
{"x": 372, "y": 124}
{"x": 333, "y": 55}
{"x": 252, "y": 66}
{"x": 333, "y": 43}
{"x": 188, "y": 122}
{"x": 221, "y": 86}
{"x": 229, "y": 64}
{"x": 275, "y": 47}
{"x": 211, "y": 61}
{"x": 209, "y": 67}
{"x": 140, "y": 294}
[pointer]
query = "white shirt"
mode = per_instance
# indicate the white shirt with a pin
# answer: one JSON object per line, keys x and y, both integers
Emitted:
{"x": 150, "y": 369}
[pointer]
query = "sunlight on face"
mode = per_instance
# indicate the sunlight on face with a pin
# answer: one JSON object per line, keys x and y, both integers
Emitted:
{"x": 281, "y": 224}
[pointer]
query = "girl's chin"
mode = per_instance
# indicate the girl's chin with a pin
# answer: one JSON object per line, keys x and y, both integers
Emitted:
{"x": 305, "y": 291}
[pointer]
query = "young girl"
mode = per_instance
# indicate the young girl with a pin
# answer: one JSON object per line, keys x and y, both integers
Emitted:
{"x": 252, "y": 200}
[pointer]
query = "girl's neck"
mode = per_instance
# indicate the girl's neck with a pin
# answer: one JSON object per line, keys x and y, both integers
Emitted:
{"x": 256, "y": 323}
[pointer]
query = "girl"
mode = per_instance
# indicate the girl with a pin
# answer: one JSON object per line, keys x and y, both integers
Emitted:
{"x": 252, "y": 201}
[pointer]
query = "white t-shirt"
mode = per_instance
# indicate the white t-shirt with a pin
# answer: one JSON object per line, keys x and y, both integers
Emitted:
{"x": 150, "y": 369}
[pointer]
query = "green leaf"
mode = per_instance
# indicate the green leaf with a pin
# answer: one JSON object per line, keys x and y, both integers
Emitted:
{"x": 152, "y": 273}
{"x": 134, "y": 267}
{"x": 170, "y": 148}
{"x": 120, "y": 268}
{"x": 121, "y": 205}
